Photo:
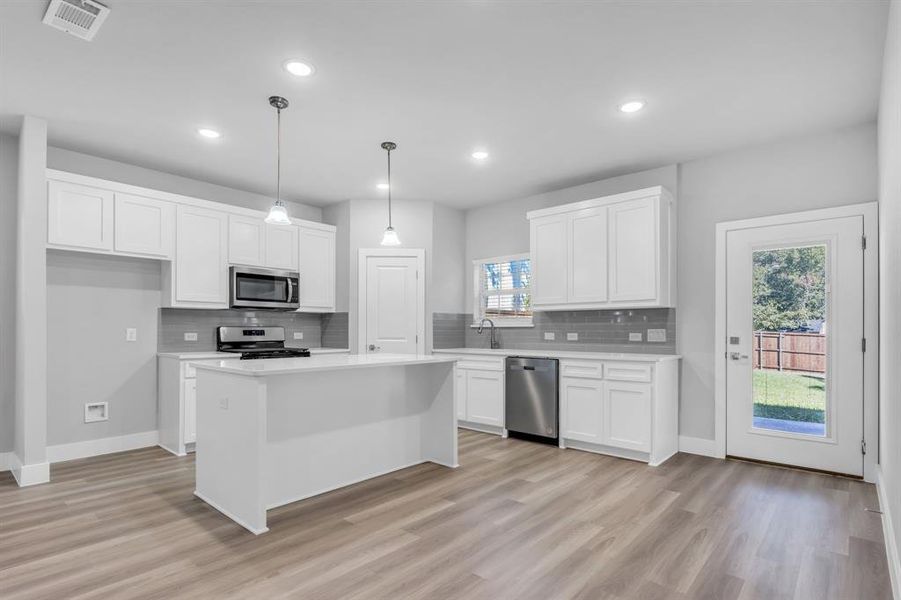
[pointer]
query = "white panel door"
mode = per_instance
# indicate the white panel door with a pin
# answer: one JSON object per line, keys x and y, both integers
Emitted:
{"x": 549, "y": 253}
{"x": 583, "y": 416}
{"x": 246, "y": 241}
{"x": 588, "y": 255}
{"x": 317, "y": 270}
{"x": 282, "y": 247}
{"x": 144, "y": 226}
{"x": 79, "y": 216}
{"x": 633, "y": 250}
{"x": 392, "y": 304}
{"x": 796, "y": 396}
{"x": 485, "y": 397}
{"x": 627, "y": 415}
{"x": 200, "y": 258}
{"x": 190, "y": 398}
{"x": 460, "y": 394}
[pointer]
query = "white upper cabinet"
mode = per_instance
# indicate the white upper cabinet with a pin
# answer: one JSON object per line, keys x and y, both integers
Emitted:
{"x": 611, "y": 252}
{"x": 246, "y": 240}
{"x": 317, "y": 268}
{"x": 79, "y": 217}
{"x": 282, "y": 250}
{"x": 144, "y": 226}
{"x": 200, "y": 262}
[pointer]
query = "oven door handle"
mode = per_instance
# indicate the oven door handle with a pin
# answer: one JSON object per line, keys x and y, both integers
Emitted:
{"x": 290, "y": 290}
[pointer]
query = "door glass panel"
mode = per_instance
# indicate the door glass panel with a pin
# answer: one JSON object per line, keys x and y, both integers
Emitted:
{"x": 789, "y": 347}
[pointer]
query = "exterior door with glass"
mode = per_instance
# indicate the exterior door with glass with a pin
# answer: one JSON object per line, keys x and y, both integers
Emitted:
{"x": 794, "y": 355}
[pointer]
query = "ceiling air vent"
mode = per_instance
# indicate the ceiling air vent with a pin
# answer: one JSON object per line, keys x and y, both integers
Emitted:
{"x": 81, "y": 18}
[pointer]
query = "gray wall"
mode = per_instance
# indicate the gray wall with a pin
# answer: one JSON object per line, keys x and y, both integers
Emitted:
{"x": 91, "y": 300}
{"x": 819, "y": 171}
{"x": 501, "y": 229}
{"x": 9, "y": 165}
{"x": 890, "y": 259}
{"x": 93, "y": 166}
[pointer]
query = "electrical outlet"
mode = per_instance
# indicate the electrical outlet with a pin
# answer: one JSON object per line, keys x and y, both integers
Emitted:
{"x": 634, "y": 337}
{"x": 549, "y": 336}
{"x": 572, "y": 337}
{"x": 656, "y": 335}
{"x": 131, "y": 334}
{"x": 298, "y": 335}
{"x": 96, "y": 411}
{"x": 223, "y": 403}
{"x": 190, "y": 336}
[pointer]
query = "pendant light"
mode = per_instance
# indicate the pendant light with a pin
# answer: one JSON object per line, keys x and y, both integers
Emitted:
{"x": 390, "y": 238}
{"x": 277, "y": 213}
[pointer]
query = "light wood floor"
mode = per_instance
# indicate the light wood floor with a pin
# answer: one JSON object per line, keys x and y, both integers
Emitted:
{"x": 516, "y": 520}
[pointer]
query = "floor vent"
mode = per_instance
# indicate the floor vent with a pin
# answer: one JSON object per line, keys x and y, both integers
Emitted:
{"x": 81, "y": 18}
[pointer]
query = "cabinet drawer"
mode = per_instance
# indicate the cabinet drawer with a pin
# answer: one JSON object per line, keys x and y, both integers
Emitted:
{"x": 592, "y": 370}
{"x": 623, "y": 371}
{"x": 481, "y": 363}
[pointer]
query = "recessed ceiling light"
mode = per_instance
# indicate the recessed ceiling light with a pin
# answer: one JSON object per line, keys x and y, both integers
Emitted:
{"x": 631, "y": 106}
{"x": 382, "y": 186}
{"x": 480, "y": 154}
{"x": 208, "y": 133}
{"x": 299, "y": 68}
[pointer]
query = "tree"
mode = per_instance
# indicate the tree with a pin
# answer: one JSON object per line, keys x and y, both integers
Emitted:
{"x": 789, "y": 287}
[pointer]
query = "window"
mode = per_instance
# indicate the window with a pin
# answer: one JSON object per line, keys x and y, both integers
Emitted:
{"x": 502, "y": 290}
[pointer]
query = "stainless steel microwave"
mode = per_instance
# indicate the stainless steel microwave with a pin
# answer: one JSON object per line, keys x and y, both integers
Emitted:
{"x": 253, "y": 287}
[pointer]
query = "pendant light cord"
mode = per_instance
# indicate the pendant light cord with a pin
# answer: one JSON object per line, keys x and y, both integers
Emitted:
{"x": 278, "y": 156}
{"x": 389, "y": 188}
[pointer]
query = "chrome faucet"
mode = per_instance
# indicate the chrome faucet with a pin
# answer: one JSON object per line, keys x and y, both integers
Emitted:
{"x": 494, "y": 343}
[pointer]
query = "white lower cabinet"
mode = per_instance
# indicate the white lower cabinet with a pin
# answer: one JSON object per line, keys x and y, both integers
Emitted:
{"x": 460, "y": 394}
{"x": 485, "y": 397}
{"x": 627, "y": 415}
{"x": 190, "y": 398}
{"x": 584, "y": 418}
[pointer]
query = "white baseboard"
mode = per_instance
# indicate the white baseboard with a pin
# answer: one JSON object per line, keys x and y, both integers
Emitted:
{"x": 26, "y": 475}
{"x": 693, "y": 445}
{"x": 62, "y": 452}
{"x": 888, "y": 532}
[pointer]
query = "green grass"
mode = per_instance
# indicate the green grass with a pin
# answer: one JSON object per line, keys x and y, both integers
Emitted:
{"x": 789, "y": 396}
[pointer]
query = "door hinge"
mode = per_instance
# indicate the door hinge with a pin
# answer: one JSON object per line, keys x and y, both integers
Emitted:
{"x": 863, "y": 242}
{"x": 863, "y": 344}
{"x": 417, "y": 338}
{"x": 417, "y": 275}
{"x": 863, "y": 446}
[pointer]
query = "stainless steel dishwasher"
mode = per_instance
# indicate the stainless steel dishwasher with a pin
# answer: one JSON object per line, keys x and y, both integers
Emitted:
{"x": 531, "y": 397}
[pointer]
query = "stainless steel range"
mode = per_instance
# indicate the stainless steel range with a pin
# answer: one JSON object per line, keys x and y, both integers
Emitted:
{"x": 256, "y": 342}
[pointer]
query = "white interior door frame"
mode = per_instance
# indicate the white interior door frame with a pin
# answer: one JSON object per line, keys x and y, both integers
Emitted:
{"x": 365, "y": 253}
{"x": 869, "y": 212}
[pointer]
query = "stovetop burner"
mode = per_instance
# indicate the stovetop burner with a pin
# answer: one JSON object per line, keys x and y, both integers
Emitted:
{"x": 254, "y": 342}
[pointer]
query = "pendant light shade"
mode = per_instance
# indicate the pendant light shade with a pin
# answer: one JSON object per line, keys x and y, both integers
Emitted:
{"x": 390, "y": 237}
{"x": 278, "y": 214}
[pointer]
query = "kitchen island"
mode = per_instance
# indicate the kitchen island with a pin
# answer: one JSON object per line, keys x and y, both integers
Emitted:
{"x": 272, "y": 432}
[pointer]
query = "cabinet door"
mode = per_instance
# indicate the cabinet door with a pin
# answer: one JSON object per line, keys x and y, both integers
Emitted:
{"x": 190, "y": 416}
{"x": 200, "y": 258}
{"x": 144, "y": 226}
{"x": 548, "y": 242}
{"x": 583, "y": 405}
{"x": 485, "y": 397}
{"x": 281, "y": 247}
{"x": 588, "y": 255}
{"x": 627, "y": 415}
{"x": 79, "y": 216}
{"x": 317, "y": 270}
{"x": 460, "y": 394}
{"x": 246, "y": 241}
{"x": 633, "y": 250}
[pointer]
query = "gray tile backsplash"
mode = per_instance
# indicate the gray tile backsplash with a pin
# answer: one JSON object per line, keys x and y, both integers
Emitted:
{"x": 598, "y": 331}
{"x": 175, "y": 322}
{"x": 449, "y": 329}
{"x": 334, "y": 330}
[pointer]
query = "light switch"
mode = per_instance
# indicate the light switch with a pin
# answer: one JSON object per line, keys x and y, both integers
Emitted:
{"x": 656, "y": 335}
{"x": 298, "y": 335}
{"x": 190, "y": 336}
{"x": 549, "y": 336}
{"x": 131, "y": 334}
{"x": 572, "y": 337}
{"x": 635, "y": 337}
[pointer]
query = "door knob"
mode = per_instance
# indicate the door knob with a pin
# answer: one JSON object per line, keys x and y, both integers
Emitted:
{"x": 737, "y": 356}
{"x": 373, "y": 348}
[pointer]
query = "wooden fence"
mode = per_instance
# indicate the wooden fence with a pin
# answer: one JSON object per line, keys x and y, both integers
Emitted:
{"x": 805, "y": 352}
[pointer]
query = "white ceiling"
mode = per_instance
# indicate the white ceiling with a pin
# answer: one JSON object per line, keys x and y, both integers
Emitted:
{"x": 536, "y": 83}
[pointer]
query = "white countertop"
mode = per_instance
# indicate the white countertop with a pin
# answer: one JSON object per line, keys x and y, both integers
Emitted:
{"x": 326, "y": 362}
{"x": 633, "y": 357}
{"x": 213, "y": 354}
